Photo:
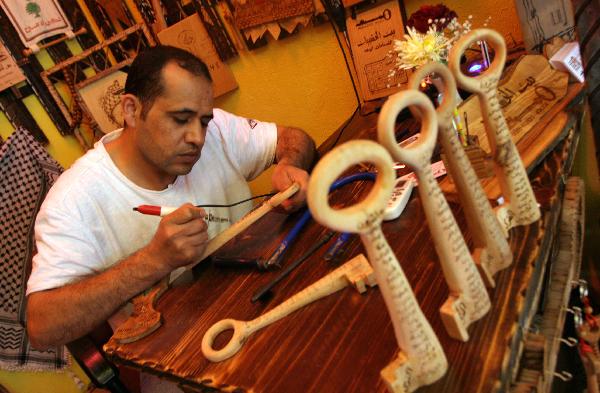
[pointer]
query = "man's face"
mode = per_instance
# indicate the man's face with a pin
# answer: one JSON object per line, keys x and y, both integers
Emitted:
{"x": 171, "y": 135}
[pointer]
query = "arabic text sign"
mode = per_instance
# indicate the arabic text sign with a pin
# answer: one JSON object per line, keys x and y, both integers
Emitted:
{"x": 525, "y": 95}
{"x": 10, "y": 73}
{"x": 372, "y": 34}
{"x": 35, "y": 20}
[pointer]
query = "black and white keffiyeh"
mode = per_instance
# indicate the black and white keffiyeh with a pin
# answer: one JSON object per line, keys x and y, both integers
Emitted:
{"x": 26, "y": 174}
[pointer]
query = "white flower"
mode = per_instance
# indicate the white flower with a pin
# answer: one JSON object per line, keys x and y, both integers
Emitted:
{"x": 418, "y": 49}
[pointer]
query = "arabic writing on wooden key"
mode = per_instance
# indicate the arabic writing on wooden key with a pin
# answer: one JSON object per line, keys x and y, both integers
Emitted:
{"x": 492, "y": 252}
{"x": 509, "y": 168}
{"x": 421, "y": 360}
{"x": 468, "y": 300}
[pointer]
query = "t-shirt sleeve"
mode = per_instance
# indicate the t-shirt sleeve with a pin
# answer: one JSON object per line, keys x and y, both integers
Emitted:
{"x": 249, "y": 143}
{"x": 64, "y": 254}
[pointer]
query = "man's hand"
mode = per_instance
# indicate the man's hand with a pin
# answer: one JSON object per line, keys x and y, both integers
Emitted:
{"x": 283, "y": 177}
{"x": 180, "y": 239}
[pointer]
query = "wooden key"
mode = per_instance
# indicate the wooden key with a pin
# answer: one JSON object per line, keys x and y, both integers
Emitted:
{"x": 145, "y": 319}
{"x": 468, "y": 300}
{"x": 520, "y": 206}
{"x": 492, "y": 252}
{"x": 356, "y": 272}
{"x": 421, "y": 360}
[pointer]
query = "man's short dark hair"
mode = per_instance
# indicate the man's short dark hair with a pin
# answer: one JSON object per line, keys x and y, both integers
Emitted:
{"x": 144, "y": 77}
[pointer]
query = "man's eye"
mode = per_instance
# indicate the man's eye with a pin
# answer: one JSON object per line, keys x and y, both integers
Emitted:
{"x": 181, "y": 120}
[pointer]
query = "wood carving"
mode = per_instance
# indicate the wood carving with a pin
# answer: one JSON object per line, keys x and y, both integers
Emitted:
{"x": 468, "y": 299}
{"x": 421, "y": 360}
{"x": 146, "y": 319}
{"x": 492, "y": 252}
{"x": 519, "y": 199}
{"x": 357, "y": 272}
{"x": 527, "y": 92}
{"x": 564, "y": 271}
{"x": 84, "y": 58}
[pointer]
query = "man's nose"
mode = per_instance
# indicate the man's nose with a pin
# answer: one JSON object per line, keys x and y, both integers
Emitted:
{"x": 196, "y": 134}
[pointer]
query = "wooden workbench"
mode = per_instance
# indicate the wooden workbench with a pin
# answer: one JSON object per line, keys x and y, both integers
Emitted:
{"x": 341, "y": 342}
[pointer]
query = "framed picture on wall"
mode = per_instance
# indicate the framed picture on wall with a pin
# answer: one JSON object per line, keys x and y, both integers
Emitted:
{"x": 102, "y": 99}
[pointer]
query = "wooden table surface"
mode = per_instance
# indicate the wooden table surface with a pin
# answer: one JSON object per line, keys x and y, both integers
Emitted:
{"x": 341, "y": 342}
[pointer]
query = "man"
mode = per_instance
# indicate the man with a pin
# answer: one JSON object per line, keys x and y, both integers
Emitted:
{"x": 94, "y": 252}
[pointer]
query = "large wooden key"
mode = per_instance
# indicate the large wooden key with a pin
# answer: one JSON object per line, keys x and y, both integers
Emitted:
{"x": 356, "y": 272}
{"x": 468, "y": 299}
{"x": 520, "y": 205}
{"x": 145, "y": 319}
{"x": 421, "y": 360}
{"x": 492, "y": 252}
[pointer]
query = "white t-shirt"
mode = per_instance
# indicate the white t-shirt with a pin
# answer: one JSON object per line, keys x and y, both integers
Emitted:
{"x": 87, "y": 222}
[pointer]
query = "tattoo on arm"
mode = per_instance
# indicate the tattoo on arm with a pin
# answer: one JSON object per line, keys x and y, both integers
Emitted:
{"x": 294, "y": 147}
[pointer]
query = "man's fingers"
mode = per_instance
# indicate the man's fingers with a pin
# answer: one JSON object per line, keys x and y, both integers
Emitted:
{"x": 186, "y": 213}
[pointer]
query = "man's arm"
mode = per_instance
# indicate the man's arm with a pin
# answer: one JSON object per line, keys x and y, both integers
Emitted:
{"x": 60, "y": 315}
{"x": 294, "y": 155}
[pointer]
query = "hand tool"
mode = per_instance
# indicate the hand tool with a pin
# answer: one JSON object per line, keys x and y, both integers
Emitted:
{"x": 267, "y": 288}
{"x": 145, "y": 319}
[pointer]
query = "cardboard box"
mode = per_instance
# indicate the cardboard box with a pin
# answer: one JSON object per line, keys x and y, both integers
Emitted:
{"x": 568, "y": 59}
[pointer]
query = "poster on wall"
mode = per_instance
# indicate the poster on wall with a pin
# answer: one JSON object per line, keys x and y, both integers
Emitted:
{"x": 541, "y": 20}
{"x": 372, "y": 34}
{"x": 35, "y": 20}
{"x": 10, "y": 73}
{"x": 102, "y": 99}
{"x": 190, "y": 34}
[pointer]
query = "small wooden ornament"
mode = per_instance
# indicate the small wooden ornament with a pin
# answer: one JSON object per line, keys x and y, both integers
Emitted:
{"x": 468, "y": 300}
{"x": 357, "y": 272}
{"x": 421, "y": 360}
{"x": 520, "y": 205}
{"x": 492, "y": 251}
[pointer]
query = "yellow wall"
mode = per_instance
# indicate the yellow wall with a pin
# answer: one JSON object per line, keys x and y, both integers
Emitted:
{"x": 300, "y": 81}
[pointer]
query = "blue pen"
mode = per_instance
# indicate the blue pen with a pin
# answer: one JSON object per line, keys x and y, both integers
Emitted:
{"x": 336, "y": 247}
{"x": 277, "y": 256}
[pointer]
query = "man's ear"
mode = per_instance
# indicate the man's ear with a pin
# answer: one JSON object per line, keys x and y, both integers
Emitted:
{"x": 132, "y": 108}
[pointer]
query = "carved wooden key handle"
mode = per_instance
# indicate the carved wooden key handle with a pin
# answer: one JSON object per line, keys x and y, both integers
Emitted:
{"x": 357, "y": 272}
{"x": 492, "y": 252}
{"x": 421, "y": 360}
{"x": 468, "y": 300}
{"x": 520, "y": 205}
